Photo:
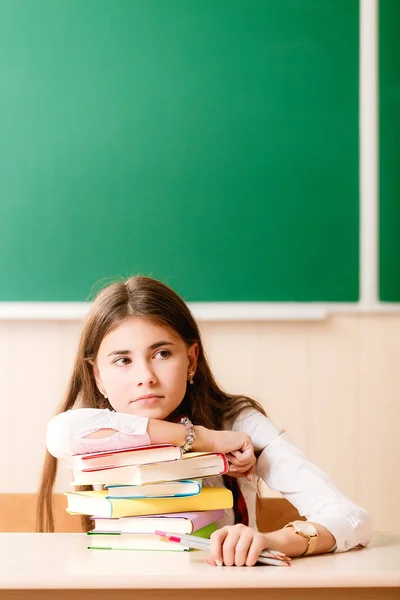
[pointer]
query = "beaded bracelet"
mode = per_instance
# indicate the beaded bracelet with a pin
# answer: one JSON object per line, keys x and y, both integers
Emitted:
{"x": 190, "y": 437}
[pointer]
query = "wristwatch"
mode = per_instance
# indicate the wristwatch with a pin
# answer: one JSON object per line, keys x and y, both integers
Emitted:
{"x": 308, "y": 531}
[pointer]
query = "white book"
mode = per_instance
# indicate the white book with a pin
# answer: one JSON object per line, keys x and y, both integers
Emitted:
{"x": 192, "y": 465}
{"x": 140, "y": 541}
{"x": 135, "y": 541}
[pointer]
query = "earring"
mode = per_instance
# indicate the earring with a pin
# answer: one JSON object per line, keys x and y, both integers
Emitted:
{"x": 190, "y": 377}
{"x": 104, "y": 394}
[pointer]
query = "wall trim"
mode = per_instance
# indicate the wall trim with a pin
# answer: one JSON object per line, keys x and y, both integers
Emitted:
{"x": 18, "y": 513}
{"x": 205, "y": 311}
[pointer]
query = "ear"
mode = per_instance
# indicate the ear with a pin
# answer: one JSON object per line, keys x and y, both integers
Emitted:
{"x": 193, "y": 355}
{"x": 97, "y": 377}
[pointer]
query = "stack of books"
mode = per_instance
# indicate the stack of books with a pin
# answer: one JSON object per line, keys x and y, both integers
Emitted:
{"x": 146, "y": 489}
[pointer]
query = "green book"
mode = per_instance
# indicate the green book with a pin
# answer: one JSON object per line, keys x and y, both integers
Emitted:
{"x": 139, "y": 541}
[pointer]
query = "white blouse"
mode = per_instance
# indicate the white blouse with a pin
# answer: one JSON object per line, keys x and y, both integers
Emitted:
{"x": 280, "y": 464}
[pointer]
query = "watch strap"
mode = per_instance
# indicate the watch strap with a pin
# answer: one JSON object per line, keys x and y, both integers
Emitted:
{"x": 312, "y": 539}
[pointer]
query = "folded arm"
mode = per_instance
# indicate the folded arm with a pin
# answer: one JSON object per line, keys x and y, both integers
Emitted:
{"x": 286, "y": 469}
{"x": 87, "y": 430}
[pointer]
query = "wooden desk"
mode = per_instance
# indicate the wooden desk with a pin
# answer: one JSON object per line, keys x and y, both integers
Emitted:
{"x": 43, "y": 566}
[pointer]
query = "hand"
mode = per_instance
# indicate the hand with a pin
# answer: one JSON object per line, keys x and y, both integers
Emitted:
{"x": 239, "y": 451}
{"x": 236, "y": 545}
{"x": 242, "y": 464}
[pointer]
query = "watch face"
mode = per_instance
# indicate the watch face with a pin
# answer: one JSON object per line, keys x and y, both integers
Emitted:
{"x": 306, "y": 527}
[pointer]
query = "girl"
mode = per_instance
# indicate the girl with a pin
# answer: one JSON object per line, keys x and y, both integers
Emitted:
{"x": 140, "y": 367}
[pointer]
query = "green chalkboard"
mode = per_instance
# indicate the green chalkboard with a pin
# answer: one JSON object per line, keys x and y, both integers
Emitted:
{"x": 211, "y": 144}
{"x": 389, "y": 102}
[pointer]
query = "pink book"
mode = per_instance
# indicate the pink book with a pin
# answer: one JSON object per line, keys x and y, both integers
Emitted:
{"x": 187, "y": 522}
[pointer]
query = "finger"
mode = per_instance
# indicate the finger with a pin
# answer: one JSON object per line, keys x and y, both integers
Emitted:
{"x": 242, "y": 547}
{"x": 245, "y": 450}
{"x": 216, "y": 540}
{"x": 258, "y": 544}
{"x": 247, "y": 447}
{"x": 242, "y": 454}
{"x": 241, "y": 457}
{"x": 232, "y": 466}
{"x": 242, "y": 468}
{"x": 247, "y": 456}
{"x": 245, "y": 465}
{"x": 229, "y": 545}
{"x": 249, "y": 474}
{"x": 235, "y": 461}
{"x": 249, "y": 466}
{"x": 238, "y": 473}
{"x": 236, "y": 453}
{"x": 232, "y": 460}
{"x": 214, "y": 563}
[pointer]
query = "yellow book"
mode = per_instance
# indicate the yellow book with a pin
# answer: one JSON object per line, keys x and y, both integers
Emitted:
{"x": 96, "y": 503}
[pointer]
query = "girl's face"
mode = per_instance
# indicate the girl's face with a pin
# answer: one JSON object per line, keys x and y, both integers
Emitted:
{"x": 143, "y": 368}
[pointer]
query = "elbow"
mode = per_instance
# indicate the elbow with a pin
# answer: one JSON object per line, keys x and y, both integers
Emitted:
{"x": 364, "y": 528}
{"x": 350, "y": 525}
{"x": 357, "y": 529}
{"x": 58, "y": 436}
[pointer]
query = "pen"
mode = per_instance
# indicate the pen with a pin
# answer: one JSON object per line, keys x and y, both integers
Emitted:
{"x": 267, "y": 557}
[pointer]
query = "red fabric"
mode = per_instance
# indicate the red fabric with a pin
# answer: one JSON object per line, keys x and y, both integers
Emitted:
{"x": 239, "y": 503}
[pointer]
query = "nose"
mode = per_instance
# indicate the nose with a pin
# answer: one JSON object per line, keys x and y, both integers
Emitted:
{"x": 145, "y": 375}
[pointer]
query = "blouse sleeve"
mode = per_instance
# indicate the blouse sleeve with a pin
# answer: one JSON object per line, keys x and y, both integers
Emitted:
{"x": 286, "y": 469}
{"x": 66, "y": 433}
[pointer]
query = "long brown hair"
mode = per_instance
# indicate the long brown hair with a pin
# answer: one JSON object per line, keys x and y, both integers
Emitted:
{"x": 204, "y": 402}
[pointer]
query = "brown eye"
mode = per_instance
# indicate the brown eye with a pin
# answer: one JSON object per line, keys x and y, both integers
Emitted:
{"x": 117, "y": 362}
{"x": 163, "y": 354}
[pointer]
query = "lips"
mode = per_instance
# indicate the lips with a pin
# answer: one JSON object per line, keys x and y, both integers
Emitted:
{"x": 147, "y": 399}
